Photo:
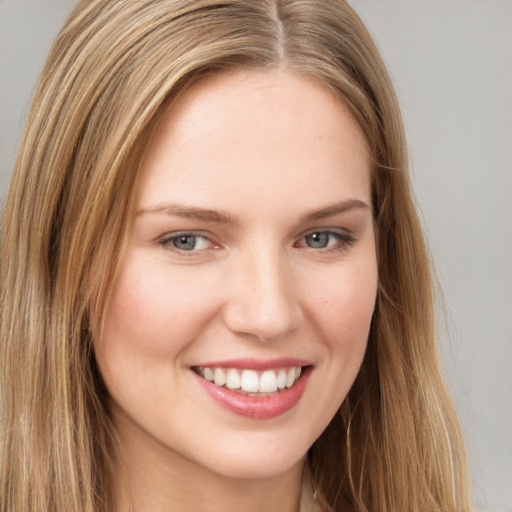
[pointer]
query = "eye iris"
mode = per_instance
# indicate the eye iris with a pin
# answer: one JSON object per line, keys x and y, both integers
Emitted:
{"x": 317, "y": 240}
{"x": 185, "y": 242}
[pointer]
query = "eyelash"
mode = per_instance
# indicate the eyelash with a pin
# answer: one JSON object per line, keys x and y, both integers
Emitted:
{"x": 167, "y": 241}
{"x": 343, "y": 241}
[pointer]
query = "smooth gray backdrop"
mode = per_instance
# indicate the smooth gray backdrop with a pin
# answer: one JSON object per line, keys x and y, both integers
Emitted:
{"x": 451, "y": 61}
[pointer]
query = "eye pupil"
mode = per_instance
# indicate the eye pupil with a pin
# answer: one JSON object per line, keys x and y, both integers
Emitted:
{"x": 317, "y": 240}
{"x": 185, "y": 242}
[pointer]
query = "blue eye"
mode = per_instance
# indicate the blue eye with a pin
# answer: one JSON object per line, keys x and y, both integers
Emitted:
{"x": 318, "y": 240}
{"x": 327, "y": 239}
{"x": 187, "y": 242}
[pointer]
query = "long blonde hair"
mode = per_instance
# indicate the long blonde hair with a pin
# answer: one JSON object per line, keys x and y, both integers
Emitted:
{"x": 395, "y": 444}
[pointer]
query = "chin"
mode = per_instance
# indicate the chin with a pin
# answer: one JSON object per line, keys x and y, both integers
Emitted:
{"x": 260, "y": 460}
{"x": 256, "y": 467}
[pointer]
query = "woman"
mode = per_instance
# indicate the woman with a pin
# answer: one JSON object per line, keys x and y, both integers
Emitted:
{"x": 216, "y": 293}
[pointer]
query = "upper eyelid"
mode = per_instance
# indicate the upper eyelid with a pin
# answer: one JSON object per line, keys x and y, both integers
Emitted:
{"x": 210, "y": 236}
{"x": 333, "y": 230}
{"x": 165, "y": 240}
{"x": 175, "y": 234}
{"x": 336, "y": 231}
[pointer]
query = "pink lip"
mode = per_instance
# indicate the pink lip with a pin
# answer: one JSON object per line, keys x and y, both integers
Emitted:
{"x": 257, "y": 364}
{"x": 255, "y": 407}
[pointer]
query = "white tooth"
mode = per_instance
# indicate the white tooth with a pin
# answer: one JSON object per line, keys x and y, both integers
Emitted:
{"x": 298, "y": 369}
{"x": 290, "y": 377}
{"x": 250, "y": 381}
{"x": 208, "y": 374}
{"x": 232, "y": 379}
{"x": 219, "y": 377}
{"x": 281, "y": 379}
{"x": 268, "y": 382}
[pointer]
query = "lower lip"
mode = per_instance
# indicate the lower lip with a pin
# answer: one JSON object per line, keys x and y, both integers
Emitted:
{"x": 257, "y": 407}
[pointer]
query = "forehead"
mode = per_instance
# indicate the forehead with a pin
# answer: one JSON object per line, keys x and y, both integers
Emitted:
{"x": 249, "y": 131}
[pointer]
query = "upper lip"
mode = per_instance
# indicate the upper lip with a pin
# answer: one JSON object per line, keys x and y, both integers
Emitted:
{"x": 257, "y": 364}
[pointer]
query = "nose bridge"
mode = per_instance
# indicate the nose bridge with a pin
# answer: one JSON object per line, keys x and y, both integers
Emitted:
{"x": 263, "y": 302}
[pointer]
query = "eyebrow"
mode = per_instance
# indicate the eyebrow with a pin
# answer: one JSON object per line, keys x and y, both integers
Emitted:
{"x": 220, "y": 217}
{"x": 336, "y": 209}
{"x": 191, "y": 212}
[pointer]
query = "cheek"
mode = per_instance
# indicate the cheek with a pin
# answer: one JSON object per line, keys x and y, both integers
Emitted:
{"x": 345, "y": 307}
{"x": 341, "y": 309}
{"x": 151, "y": 319}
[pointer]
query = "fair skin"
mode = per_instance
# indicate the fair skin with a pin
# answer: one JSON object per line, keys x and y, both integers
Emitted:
{"x": 252, "y": 249}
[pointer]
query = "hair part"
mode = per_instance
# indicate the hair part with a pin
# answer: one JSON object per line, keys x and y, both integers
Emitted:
{"x": 115, "y": 67}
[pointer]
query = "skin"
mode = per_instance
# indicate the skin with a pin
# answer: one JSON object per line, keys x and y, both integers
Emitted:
{"x": 265, "y": 148}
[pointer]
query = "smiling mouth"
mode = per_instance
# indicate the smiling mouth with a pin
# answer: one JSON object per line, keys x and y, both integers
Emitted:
{"x": 251, "y": 382}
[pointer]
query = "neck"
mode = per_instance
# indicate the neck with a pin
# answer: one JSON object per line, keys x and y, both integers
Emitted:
{"x": 157, "y": 494}
{"x": 155, "y": 479}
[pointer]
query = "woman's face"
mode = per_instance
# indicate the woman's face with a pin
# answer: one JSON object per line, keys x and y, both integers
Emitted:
{"x": 251, "y": 259}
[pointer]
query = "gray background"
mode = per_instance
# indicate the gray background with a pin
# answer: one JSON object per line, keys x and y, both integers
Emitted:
{"x": 451, "y": 61}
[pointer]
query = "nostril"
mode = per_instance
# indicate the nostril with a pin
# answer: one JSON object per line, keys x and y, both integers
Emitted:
{"x": 264, "y": 326}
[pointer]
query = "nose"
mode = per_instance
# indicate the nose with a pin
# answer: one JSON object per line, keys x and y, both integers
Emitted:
{"x": 262, "y": 300}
